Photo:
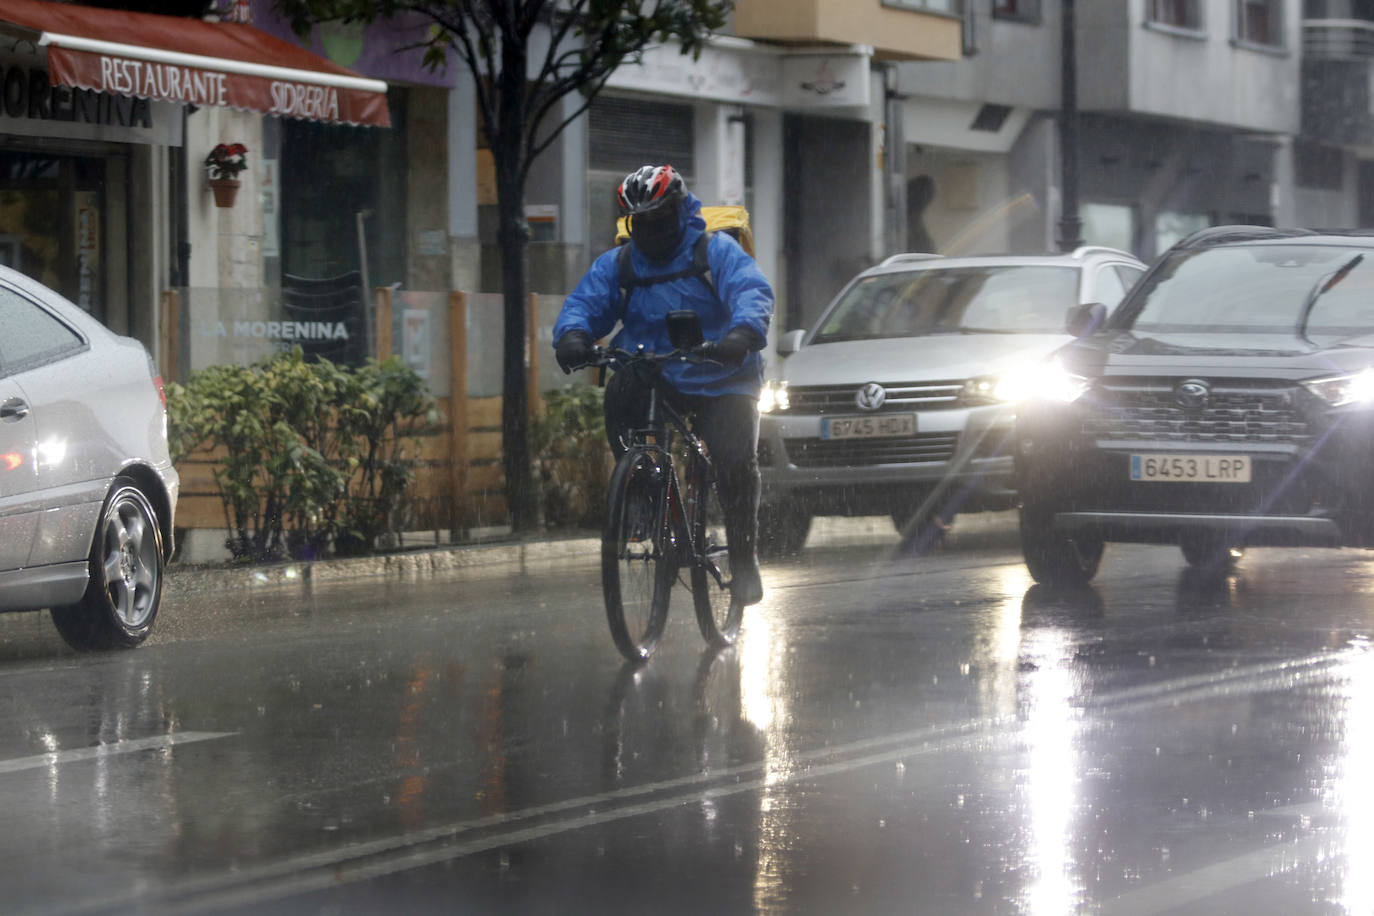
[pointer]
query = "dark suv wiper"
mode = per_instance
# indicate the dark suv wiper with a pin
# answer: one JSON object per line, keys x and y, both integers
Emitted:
{"x": 1323, "y": 285}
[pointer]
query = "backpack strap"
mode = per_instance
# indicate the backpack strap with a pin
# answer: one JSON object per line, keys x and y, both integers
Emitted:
{"x": 629, "y": 280}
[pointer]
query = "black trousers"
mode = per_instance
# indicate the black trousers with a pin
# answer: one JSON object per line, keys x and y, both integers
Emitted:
{"x": 727, "y": 423}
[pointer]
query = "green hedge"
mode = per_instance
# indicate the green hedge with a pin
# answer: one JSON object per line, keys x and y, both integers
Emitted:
{"x": 315, "y": 453}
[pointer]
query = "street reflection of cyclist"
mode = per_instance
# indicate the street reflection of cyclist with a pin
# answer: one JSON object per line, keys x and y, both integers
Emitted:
{"x": 735, "y": 304}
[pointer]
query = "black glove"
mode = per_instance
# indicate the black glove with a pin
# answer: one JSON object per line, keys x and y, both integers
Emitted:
{"x": 732, "y": 348}
{"x": 574, "y": 350}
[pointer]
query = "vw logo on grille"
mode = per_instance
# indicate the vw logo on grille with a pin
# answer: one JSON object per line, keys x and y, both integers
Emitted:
{"x": 871, "y": 396}
{"x": 1193, "y": 394}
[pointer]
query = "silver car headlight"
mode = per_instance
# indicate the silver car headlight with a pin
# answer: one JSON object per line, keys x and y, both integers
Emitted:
{"x": 773, "y": 397}
{"x": 1340, "y": 390}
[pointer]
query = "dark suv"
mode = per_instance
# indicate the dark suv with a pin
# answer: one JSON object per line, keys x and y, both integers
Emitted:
{"x": 1229, "y": 401}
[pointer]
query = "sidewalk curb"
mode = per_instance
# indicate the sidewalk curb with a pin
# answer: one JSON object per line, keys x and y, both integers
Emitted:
{"x": 431, "y": 561}
{"x": 416, "y": 563}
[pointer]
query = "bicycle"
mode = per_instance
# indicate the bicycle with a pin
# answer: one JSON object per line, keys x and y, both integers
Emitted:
{"x": 657, "y": 524}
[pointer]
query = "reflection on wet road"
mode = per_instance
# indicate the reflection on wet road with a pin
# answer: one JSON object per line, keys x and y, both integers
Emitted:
{"x": 932, "y": 735}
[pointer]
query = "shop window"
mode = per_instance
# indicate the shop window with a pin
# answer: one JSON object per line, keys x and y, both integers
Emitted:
{"x": 949, "y": 7}
{"x": 1112, "y": 225}
{"x": 343, "y": 192}
{"x": 1318, "y": 167}
{"x": 1176, "y": 14}
{"x": 1171, "y": 226}
{"x": 52, "y": 210}
{"x": 1259, "y": 22}
{"x": 1027, "y": 11}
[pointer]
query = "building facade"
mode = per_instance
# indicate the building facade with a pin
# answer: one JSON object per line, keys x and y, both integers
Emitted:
{"x": 849, "y": 131}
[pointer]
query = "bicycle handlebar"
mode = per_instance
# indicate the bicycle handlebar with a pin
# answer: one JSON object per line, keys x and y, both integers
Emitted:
{"x": 612, "y": 357}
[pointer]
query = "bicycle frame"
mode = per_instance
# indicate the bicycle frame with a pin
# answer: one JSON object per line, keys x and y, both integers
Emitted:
{"x": 662, "y": 424}
{"x": 683, "y": 538}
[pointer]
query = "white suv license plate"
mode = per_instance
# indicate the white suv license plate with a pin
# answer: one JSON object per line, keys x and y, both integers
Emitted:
{"x": 1191, "y": 468}
{"x": 875, "y": 427}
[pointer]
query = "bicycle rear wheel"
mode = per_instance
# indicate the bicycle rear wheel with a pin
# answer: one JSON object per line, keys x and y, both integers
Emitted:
{"x": 637, "y": 564}
{"x": 718, "y": 613}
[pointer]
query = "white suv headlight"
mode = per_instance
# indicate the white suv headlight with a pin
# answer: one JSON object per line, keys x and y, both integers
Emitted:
{"x": 1340, "y": 390}
{"x": 1042, "y": 381}
{"x": 773, "y": 397}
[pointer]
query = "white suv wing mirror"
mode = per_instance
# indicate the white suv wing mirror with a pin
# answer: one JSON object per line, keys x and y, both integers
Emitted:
{"x": 790, "y": 342}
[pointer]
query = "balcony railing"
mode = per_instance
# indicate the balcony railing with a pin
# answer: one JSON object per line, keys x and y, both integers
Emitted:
{"x": 1338, "y": 39}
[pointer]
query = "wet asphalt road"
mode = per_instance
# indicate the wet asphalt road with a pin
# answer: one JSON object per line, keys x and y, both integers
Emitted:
{"x": 913, "y": 736}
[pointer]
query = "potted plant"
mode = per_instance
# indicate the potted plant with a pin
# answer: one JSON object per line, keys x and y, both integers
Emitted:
{"x": 223, "y": 165}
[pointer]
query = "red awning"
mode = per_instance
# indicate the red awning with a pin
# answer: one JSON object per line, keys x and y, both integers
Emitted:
{"x": 171, "y": 59}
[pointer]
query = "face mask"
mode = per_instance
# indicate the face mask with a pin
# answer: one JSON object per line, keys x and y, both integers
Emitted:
{"x": 657, "y": 233}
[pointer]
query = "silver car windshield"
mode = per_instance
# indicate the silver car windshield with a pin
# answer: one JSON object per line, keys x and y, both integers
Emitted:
{"x": 990, "y": 299}
{"x": 1259, "y": 289}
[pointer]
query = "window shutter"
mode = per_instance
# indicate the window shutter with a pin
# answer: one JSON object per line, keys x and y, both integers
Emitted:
{"x": 626, "y": 133}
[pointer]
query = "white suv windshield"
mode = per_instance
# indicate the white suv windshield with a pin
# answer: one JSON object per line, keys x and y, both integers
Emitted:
{"x": 1260, "y": 289}
{"x": 990, "y": 299}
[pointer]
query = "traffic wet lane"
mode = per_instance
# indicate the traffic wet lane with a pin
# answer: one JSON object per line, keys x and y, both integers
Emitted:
{"x": 938, "y": 733}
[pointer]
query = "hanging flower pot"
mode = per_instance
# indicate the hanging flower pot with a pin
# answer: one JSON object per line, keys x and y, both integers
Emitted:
{"x": 222, "y": 166}
{"x": 225, "y": 190}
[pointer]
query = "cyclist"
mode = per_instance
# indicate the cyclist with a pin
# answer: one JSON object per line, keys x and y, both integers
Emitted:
{"x": 735, "y": 304}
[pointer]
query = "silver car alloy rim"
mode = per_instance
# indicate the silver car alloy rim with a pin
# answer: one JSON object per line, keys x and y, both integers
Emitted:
{"x": 130, "y": 560}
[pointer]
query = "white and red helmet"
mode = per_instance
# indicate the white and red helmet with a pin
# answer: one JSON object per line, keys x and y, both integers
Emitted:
{"x": 650, "y": 187}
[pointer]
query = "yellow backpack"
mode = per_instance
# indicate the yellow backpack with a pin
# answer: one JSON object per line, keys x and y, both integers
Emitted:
{"x": 729, "y": 218}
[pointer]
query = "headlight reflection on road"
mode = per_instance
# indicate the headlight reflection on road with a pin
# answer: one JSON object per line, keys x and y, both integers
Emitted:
{"x": 762, "y": 651}
{"x": 1354, "y": 793}
{"x": 1051, "y": 779}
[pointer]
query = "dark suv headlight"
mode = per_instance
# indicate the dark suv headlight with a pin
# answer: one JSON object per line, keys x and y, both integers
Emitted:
{"x": 1340, "y": 390}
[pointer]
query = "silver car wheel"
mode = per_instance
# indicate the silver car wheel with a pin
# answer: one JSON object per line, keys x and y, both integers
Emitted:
{"x": 130, "y": 561}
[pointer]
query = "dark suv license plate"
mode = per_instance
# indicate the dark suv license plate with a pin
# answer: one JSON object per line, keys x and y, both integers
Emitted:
{"x": 1191, "y": 468}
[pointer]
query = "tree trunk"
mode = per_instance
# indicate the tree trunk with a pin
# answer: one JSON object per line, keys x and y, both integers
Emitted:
{"x": 507, "y": 147}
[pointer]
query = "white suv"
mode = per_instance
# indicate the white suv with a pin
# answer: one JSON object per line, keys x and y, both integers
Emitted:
{"x": 900, "y": 400}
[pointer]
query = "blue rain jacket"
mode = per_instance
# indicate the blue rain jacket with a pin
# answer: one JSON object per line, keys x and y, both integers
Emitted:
{"x": 745, "y": 299}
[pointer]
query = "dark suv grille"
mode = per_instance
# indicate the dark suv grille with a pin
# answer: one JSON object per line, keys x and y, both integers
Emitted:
{"x": 826, "y": 453}
{"x": 901, "y": 396}
{"x": 1240, "y": 410}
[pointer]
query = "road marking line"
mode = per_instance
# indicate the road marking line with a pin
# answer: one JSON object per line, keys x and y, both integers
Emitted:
{"x": 345, "y": 866}
{"x": 1263, "y": 678}
{"x": 78, "y": 754}
{"x": 1194, "y": 886}
{"x": 376, "y": 858}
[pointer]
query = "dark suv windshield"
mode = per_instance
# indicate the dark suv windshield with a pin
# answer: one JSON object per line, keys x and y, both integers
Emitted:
{"x": 1258, "y": 289}
{"x": 984, "y": 299}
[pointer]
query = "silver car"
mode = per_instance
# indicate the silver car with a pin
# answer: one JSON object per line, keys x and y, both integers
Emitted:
{"x": 87, "y": 488}
{"x": 900, "y": 399}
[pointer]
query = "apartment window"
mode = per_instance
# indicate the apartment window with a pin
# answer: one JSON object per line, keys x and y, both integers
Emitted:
{"x": 1177, "y": 14}
{"x": 1259, "y": 22}
{"x": 1017, "y": 10}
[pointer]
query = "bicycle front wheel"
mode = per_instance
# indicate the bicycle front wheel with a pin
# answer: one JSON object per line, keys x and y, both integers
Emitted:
{"x": 718, "y": 613}
{"x": 637, "y": 565}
